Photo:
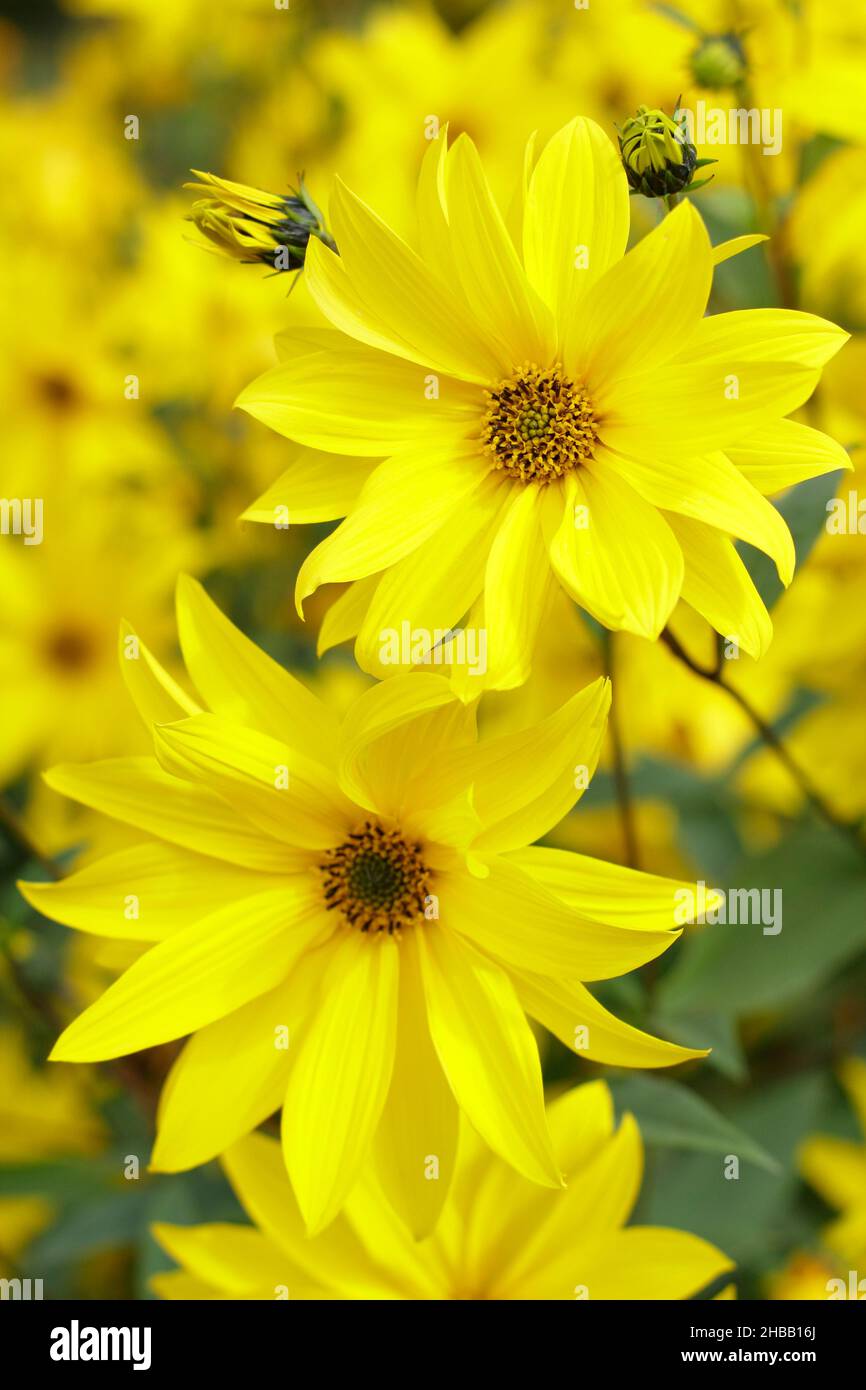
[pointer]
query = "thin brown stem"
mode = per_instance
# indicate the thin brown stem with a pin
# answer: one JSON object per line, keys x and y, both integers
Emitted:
{"x": 767, "y": 733}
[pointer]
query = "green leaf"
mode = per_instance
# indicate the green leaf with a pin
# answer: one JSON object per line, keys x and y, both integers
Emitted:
{"x": 671, "y": 1116}
{"x": 738, "y": 969}
{"x": 804, "y": 508}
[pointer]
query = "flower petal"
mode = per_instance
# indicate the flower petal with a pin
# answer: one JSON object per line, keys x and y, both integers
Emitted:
{"x": 487, "y": 1052}
{"x": 353, "y": 400}
{"x": 419, "y": 1121}
{"x": 340, "y": 1078}
{"x": 404, "y": 501}
{"x": 711, "y": 490}
{"x": 514, "y": 918}
{"x": 144, "y": 893}
{"x": 241, "y": 682}
{"x": 517, "y": 589}
{"x": 577, "y": 198}
{"x": 230, "y": 956}
{"x": 614, "y": 553}
{"x": 783, "y": 453}
{"x": 718, "y": 585}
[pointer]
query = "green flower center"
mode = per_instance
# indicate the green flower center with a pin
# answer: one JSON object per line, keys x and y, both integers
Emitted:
{"x": 538, "y": 425}
{"x": 377, "y": 880}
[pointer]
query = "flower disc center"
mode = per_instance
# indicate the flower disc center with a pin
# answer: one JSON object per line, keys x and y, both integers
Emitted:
{"x": 377, "y": 879}
{"x": 538, "y": 425}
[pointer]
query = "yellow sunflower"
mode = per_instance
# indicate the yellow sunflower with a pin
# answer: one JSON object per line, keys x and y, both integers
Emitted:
{"x": 345, "y": 916}
{"x": 517, "y": 402}
{"x": 499, "y": 1237}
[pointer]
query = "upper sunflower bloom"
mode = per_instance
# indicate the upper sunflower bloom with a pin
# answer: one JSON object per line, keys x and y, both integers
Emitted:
{"x": 499, "y": 1238}
{"x": 346, "y": 921}
{"x": 546, "y": 407}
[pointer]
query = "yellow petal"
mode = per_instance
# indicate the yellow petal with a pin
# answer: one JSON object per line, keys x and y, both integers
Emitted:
{"x": 137, "y": 791}
{"x": 404, "y": 501}
{"x": 614, "y": 553}
{"x": 341, "y": 1075}
{"x": 494, "y": 283}
{"x": 315, "y": 487}
{"x": 418, "y": 310}
{"x": 239, "y": 681}
{"x": 346, "y": 614}
{"x": 335, "y": 1258}
{"x": 710, "y": 489}
{"x": 596, "y": 1202}
{"x": 697, "y": 407}
{"x": 651, "y": 1262}
{"x": 525, "y": 782}
{"x": 517, "y": 588}
{"x": 416, "y": 1142}
{"x": 633, "y": 319}
{"x": 232, "y": 1258}
{"x": 204, "y": 972}
{"x": 763, "y": 335}
{"x": 578, "y": 198}
{"x": 571, "y": 1013}
{"x": 232, "y": 1074}
{"x": 157, "y": 696}
{"x": 487, "y": 1052}
{"x": 144, "y": 893}
{"x": 836, "y": 1168}
{"x": 426, "y": 594}
{"x": 734, "y": 246}
{"x": 392, "y": 733}
{"x": 275, "y": 787}
{"x": 354, "y": 400}
{"x": 608, "y": 892}
{"x": 785, "y": 452}
{"x": 513, "y": 918}
{"x": 718, "y": 585}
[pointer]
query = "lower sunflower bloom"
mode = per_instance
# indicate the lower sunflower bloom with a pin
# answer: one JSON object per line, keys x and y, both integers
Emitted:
{"x": 499, "y": 1237}
{"x": 346, "y": 919}
{"x": 515, "y": 403}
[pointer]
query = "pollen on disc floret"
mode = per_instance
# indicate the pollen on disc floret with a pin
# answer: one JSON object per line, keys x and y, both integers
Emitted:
{"x": 538, "y": 425}
{"x": 377, "y": 880}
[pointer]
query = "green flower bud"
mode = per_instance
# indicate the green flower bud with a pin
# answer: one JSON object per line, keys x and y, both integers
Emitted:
{"x": 718, "y": 62}
{"x": 657, "y": 155}
{"x": 251, "y": 225}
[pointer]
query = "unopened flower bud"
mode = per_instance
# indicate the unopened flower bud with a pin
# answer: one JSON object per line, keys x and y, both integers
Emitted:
{"x": 251, "y": 225}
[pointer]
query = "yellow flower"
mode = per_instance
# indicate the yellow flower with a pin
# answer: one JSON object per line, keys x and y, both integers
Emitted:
{"x": 346, "y": 918}
{"x": 499, "y": 1237}
{"x": 548, "y": 409}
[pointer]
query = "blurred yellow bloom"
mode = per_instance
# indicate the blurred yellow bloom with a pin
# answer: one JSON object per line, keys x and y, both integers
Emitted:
{"x": 498, "y": 1237}
{"x": 836, "y": 1168}
{"x": 360, "y": 888}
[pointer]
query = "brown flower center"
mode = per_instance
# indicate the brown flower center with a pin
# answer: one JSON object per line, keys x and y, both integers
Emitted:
{"x": 377, "y": 879}
{"x": 538, "y": 425}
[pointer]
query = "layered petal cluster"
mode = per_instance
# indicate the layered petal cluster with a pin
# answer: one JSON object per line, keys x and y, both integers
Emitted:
{"x": 499, "y": 1237}
{"x": 516, "y": 402}
{"x": 347, "y": 919}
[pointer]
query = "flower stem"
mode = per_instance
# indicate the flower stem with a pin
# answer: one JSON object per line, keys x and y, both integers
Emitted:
{"x": 852, "y": 829}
